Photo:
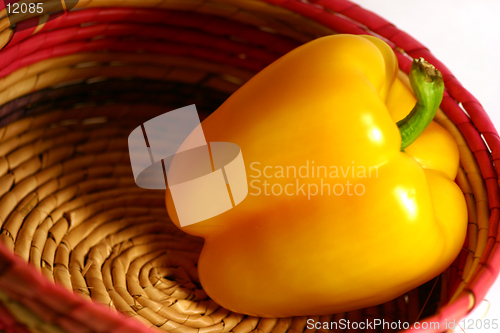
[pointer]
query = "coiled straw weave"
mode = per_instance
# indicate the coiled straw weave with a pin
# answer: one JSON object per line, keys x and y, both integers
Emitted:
{"x": 83, "y": 247}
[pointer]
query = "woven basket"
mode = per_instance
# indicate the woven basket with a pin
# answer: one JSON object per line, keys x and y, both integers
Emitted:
{"x": 83, "y": 247}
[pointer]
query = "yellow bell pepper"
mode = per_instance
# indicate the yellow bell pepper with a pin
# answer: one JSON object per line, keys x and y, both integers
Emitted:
{"x": 325, "y": 114}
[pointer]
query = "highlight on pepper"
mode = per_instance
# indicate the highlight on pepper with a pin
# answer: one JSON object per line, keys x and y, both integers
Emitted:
{"x": 338, "y": 101}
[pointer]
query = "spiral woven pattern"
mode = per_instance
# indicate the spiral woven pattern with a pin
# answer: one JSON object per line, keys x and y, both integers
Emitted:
{"x": 83, "y": 249}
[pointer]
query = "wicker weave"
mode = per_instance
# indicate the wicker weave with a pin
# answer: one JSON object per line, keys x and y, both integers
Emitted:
{"x": 73, "y": 88}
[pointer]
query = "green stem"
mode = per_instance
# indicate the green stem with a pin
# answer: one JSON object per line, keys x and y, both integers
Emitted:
{"x": 428, "y": 86}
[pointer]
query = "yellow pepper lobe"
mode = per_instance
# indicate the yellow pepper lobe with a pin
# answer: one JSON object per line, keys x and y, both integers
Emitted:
{"x": 396, "y": 224}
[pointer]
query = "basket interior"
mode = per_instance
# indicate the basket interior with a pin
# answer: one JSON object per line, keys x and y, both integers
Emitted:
{"x": 73, "y": 89}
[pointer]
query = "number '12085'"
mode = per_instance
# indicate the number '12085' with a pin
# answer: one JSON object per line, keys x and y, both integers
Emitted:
{"x": 471, "y": 324}
{"x": 24, "y": 8}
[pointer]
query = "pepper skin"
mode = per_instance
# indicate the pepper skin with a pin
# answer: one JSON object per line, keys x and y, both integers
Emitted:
{"x": 334, "y": 101}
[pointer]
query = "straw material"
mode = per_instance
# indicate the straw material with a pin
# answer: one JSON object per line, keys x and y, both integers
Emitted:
{"x": 100, "y": 249}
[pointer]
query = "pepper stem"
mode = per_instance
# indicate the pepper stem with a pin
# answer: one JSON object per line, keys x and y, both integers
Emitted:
{"x": 428, "y": 86}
